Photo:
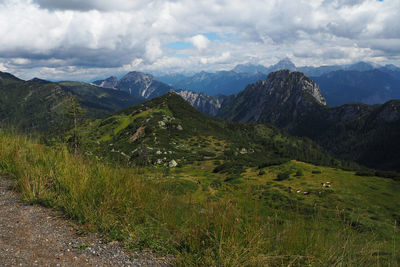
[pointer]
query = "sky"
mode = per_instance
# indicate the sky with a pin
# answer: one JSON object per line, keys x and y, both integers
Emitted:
{"x": 85, "y": 40}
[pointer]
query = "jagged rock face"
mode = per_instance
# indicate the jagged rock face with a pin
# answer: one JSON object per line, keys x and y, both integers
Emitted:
{"x": 143, "y": 85}
{"x": 280, "y": 99}
{"x": 110, "y": 82}
{"x": 202, "y": 102}
{"x": 137, "y": 84}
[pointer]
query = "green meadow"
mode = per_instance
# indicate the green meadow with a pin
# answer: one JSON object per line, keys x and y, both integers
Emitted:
{"x": 203, "y": 215}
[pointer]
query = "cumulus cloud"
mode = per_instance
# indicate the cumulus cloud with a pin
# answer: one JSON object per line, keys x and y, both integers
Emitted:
{"x": 200, "y": 41}
{"x": 88, "y": 38}
{"x": 218, "y": 59}
{"x": 153, "y": 50}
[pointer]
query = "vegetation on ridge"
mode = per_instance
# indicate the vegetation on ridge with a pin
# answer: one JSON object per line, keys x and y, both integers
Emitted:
{"x": 168, "y": 128}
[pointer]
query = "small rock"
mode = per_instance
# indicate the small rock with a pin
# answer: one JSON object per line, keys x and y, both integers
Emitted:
{"x": 172, "y": 164}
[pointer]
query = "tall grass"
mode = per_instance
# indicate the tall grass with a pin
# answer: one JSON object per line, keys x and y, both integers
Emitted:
{"x": 123, "y": 205}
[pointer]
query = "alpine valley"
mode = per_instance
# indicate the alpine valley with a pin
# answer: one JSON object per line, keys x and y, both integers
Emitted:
{"x": 256, "y": 166}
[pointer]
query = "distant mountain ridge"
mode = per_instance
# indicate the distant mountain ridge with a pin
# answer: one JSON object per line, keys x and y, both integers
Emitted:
{"x": 221, "y": 82}
{"x": 285, "y": 63}
{"x": 280, "y": 99}
{"x": 147, "y": 86}
{"x": 235, "y": 80}
{"x": 136, "y": 83}
{"x": 366, "y": 134}
{"x": 370, "y": 87}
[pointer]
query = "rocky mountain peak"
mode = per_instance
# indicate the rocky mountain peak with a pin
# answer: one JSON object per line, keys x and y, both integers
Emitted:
{"x": 280, "y": 99}
{"x": 110, "y": 82}
{"x": 136, "y": 75}
{"x": 202, "y": 102}
{"x": 136, "y": 83}
{"x": 287, "y": 83}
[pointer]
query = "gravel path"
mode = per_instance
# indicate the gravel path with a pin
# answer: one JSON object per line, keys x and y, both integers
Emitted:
{"x": 31, "y": 235}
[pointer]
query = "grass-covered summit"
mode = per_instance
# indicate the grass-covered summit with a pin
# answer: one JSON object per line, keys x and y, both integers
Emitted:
{"x": 168, "y": 130}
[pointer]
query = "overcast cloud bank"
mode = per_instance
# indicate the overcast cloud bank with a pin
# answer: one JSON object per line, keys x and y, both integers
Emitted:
{"x": 72, "y": 39}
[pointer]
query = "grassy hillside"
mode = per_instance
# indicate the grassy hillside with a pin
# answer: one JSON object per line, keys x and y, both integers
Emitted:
{"x": 31, "y": 105}
{"x": 168, "y": 129}
{"x": 205, "y": 219}
{"x": 100, "y": 102}
{"x": 40, "y": 106}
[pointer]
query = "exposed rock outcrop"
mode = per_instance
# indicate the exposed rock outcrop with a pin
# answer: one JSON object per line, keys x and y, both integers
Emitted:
{"x": 202, "y": 102}
{"x": 110, "y": 82}
{"x": 138, "y": 84}
{"x": 283, "y": 97}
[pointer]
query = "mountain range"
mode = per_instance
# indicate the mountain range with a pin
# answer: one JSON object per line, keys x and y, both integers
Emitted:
{"x": 137, "y": 84}
{"x": 287, "y": 99}
{"x": 221, "y": 82}
{"x": 348, "y": 86}
{"x": 366, "y": 134}
{"x": 340, "y": 83}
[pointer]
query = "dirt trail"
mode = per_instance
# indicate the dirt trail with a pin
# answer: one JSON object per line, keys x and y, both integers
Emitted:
{"x": 32, "y": 235}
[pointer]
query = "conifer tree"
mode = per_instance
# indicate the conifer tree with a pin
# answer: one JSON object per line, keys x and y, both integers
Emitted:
{"x": 74, "y": 112}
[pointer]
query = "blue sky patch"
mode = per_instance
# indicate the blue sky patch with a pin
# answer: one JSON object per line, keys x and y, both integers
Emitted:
{"x": 178, "y": 45}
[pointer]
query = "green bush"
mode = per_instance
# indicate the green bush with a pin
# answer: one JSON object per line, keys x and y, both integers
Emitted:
{"x": 299, "y": 173}
{"x": 365, "y": 173}
{"x": 283, "y": 176}
{"x": 388, "y": 174}
{"x": 229, "y": 167}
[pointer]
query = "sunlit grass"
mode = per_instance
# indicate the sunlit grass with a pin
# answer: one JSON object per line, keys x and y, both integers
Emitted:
{"x": 193, "y": 214}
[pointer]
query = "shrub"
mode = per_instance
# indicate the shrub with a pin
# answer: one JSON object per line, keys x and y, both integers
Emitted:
{"x": 365, "y": 173}
{"x": 299, "y": 173}
{"x": 388, "y": 174}
{"x": 273, "y": 162}
{"x": 229, "y": 167}
{"x": 283, "y": 176}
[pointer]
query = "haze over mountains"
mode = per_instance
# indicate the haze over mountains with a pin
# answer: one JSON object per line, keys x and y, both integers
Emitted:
{"x": 340, "y": 84}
